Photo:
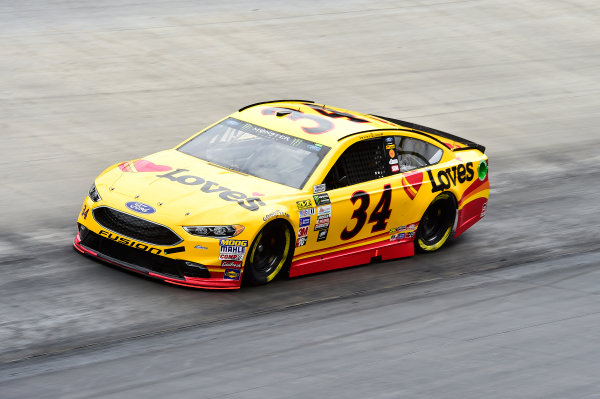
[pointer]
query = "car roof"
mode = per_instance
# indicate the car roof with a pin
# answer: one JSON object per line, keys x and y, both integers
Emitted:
{"x": 310, "y": 121}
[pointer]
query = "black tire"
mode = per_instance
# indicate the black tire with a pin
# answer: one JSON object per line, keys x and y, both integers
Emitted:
{"x": 270, "y": 253}
{"x": 436, "y": 224}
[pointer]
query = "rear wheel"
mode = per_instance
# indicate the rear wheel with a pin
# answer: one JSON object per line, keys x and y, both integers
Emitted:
{"x": 270, "y": 253}
{"x": 436, "y": 224}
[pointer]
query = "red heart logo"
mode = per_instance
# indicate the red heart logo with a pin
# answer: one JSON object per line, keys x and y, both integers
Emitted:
{"x": 412, "y": 183}
{"x": 141, "y": 165}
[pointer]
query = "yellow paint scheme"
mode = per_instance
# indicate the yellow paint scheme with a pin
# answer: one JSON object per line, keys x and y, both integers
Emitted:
{"x": 187, "y": 191}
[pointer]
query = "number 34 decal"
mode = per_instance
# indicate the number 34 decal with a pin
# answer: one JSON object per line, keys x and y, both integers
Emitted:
{"x": 380, "y": 214}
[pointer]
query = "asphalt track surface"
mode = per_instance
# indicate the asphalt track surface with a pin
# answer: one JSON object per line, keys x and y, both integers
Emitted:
{"x": 511, "y": 309}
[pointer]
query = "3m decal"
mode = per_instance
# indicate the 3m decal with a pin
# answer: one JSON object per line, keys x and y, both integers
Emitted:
{"x": 319, "y": 188}
{"x": 130, "y": 243}
{"x": 236, "y": 264}
{"x": 448, "y": 177}
{"x": 84, "y": 211}
{"x": 322, "y": 235}
{"x": 380, "y": 215}
{"x": 411, "y": 182}
{"x": 232, "y": 274}
{"x": 303, "y": 231}
{"x": 141, "y": 165}
{"x": 305, "y": 204}
{"x": 209, "y": 187}
{"x": 140, "y": 207}
{"x": 322, "y": 199}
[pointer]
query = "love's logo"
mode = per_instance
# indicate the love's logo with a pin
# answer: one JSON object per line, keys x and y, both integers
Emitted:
{"x": 411, "y": 183}
{"x": 141, "y": 165}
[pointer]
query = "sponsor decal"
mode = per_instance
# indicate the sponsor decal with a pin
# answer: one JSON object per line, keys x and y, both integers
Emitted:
{"x": 401, "y": 236}
{"x": 239, "y": 243}
{"x": 301, "y": 241}
{"x": 395, "y": 168}
{"x": 314, "y": 147}
{"x": 223, "y": 256}
{"x": 393, "y": 237}
{"x": 390, "y": 147}
{"x": 411, "y": 182}
{"x": 323, "y": 209}
{"x": 141, "y": 165}
{"x": 483, "y": 209}
{"x": 319, "y": 188}
{"x": 322, "y": 222}
{"x": 210, "y": 187}
{"x": 130, "y": 243}
{"x": 140, "y": 207}
{"x": 275, "y": 214}
{"x": 236, "y": 264}
{"x": 393, "y": 161}
{"x": 305, "y": 204}
{"x": 392, "y": 153}
{"x": 389, "y": 140}
{"x": 305, "y": 221}
{"x": 411, "y": 227}
{"x": 449, "y": 177}
{"x": 84, "y": 211}
{"x": 232, "y": 274}
{"x": 303, "y": 231}
{"x": 397, "y": 229}
{"x": 200, "y": 247}
{"x": 411, "y": 234}
{"x": 322, "y": 199}
{"x": 322, "y": 235}
{"x": 306, "y": 212}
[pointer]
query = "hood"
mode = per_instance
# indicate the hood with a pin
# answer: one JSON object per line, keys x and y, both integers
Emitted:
{"x": 188, "y": 190}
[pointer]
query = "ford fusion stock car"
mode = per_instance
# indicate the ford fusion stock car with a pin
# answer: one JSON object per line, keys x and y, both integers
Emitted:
{"x": 284, "y": 187}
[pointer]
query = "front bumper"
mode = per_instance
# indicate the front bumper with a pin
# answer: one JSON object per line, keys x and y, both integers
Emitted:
{"x": 163, "y": 268}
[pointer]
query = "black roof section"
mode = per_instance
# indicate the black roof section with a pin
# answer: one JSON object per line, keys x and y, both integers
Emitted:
{"x": 274, "y": 101}
{"x": 420, "y": 129}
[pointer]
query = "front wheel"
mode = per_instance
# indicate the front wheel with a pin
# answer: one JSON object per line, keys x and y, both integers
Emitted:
{"x": 436, "y": 224}
{"x": 270, "y": 252}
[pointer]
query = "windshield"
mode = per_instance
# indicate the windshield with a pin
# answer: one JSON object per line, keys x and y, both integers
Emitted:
{"x": 257, "y": 151}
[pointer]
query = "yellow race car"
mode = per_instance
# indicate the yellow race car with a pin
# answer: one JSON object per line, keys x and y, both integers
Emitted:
{"x": 288, "y": 187}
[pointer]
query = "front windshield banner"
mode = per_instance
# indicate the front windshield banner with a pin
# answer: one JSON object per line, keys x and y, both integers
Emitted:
{"x": 257, "y": 151}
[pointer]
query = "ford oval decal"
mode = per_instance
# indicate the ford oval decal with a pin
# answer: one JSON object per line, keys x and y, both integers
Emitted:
{"x": 140, "y": 207}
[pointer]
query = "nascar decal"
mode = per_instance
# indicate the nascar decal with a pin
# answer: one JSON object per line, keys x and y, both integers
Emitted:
{"x": 448, "y": 177}
{"x": 250, "y": 203}
{"x": 306, "y": 212}
{"x": 232, "y": 249}
{"x": 319, "y": 188}
{"x": 411, "y": 183}
{"x": 141, "y": 165}
{"x": 130, "y": 243}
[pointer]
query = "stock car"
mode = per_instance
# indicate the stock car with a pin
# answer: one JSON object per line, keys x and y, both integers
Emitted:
{"x": 284, "y": 187}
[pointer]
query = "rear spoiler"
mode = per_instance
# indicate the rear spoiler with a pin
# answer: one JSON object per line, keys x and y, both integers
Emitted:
{"x": 469, "y": 145}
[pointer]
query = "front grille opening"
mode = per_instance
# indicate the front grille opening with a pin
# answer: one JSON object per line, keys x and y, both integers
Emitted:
{"x": 149, "y": 261}
{"x": 134, "y": 227}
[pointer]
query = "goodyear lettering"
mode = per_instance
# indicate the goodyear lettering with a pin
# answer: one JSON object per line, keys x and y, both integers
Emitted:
{"x": 130, "y": 243}
{"x": 210, "y": 187}
{"x": 275, "y": 214}
{"x": 449, "y": 177}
